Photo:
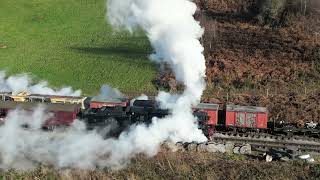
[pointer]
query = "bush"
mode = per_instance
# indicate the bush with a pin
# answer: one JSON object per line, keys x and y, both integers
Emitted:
{"x": 269, "y": 10}
{"x": 280, "y": 12}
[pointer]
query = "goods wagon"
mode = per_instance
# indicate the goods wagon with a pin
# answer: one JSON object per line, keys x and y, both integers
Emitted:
{"x": 207, "y": 115}
{"x": 246, "y": 117}
{"x": 58, "y": 99}
{"x": 61, "y": 114}
{"x": 39, "y": 98}
{"x": 108, "y": 102}
{"x": 211, "y": 110}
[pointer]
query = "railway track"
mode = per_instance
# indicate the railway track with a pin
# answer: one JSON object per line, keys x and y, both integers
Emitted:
{"x": 263, "y": 142}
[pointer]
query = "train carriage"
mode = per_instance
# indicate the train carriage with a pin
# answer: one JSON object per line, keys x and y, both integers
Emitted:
{"x": 246, "y": 117}
{"x": 108, "y": 102}
{"x": 211, "y": 110}
{"x": 210, "y": 113}
{"x": 40, "y": 98}
{"x": 61, "y": 114}
{"x": 78, "y": 100}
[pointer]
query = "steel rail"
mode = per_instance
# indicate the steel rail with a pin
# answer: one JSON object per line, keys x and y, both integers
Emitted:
{"x": 267, "y": 142}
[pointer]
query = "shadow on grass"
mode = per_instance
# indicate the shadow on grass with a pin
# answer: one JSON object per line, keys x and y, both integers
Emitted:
{"x": 131, "y": 53}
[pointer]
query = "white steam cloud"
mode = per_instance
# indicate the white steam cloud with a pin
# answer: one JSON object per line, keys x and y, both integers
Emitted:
{"x": 23, "y": 82}
{"x": 26, "y": 148}
{"x": 107, "y": 92}
{"x": 174, "y": 34}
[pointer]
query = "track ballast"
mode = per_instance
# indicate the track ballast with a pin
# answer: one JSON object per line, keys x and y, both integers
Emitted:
{"x": 264, "y": 142}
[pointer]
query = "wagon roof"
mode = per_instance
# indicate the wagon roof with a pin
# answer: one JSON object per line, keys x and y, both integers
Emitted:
{"x": 47, "y": 106}
{"x": 55, "y": 96}
{"x": 246, "y": 108}
{"x": 207, "y": 106}
{"x": 108, "y": 100}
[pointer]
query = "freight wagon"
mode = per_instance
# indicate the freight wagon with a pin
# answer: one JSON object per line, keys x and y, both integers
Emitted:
{"x": 60, "y": 114}
{"x": 246, "y": 117}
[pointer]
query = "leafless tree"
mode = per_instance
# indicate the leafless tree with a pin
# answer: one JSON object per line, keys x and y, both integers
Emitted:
{"x": 210, "y": 35}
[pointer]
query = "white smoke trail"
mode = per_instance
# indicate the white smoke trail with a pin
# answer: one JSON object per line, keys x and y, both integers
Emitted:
{"x": 23, "y": 148}
{"x": 172, "y": 31}
{"x": 23, "y": 82}
{"x": 107, "y": 92}
{"x": 174, "y": 34}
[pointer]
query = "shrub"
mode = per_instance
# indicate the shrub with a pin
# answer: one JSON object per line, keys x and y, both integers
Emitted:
{"x": 280, "y": 12}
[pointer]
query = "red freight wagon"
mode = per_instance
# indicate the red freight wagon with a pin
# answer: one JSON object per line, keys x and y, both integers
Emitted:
{"x": 97, "y": 103}
{"x": 62, "y": 114}
{"x": 246, "y": 117}
{"x": 211, "y": 110}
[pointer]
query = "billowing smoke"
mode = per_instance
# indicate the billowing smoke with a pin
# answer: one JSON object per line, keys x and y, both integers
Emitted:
{"x": 107, "y": 92}
{"x": 174, "y": 34}
{"x": 26, "y": 148}
{"x": 23, "y": 82}
{"x": 74, "y": 147}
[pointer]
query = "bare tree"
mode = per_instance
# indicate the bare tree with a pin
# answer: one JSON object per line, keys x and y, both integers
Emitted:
{"x": 210, "y": 34}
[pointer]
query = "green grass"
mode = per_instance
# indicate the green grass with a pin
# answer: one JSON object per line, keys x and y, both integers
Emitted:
{"x": 70, "y": 43}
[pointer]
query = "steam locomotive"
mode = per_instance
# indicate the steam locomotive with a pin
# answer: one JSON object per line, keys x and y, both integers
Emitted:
{"x": 120, "y": 113}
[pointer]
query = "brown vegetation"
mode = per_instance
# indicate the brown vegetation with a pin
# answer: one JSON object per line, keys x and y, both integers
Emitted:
{"x": 254, "y": 46}
{"x": 184, "y": 165}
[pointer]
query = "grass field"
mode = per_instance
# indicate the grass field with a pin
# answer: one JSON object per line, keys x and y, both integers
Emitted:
{"x": 70, "y": 43}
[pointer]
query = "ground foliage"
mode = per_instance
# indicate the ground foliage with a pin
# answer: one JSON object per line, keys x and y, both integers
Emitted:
{"x": 183, "y": 165}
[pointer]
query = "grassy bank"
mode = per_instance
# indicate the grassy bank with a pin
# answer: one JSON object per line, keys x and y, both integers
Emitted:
{"x": 70, "y": 43}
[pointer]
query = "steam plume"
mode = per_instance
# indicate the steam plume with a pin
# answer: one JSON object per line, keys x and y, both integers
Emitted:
{"x": 107, "y": 92}
{"x": 174, "y": 34}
